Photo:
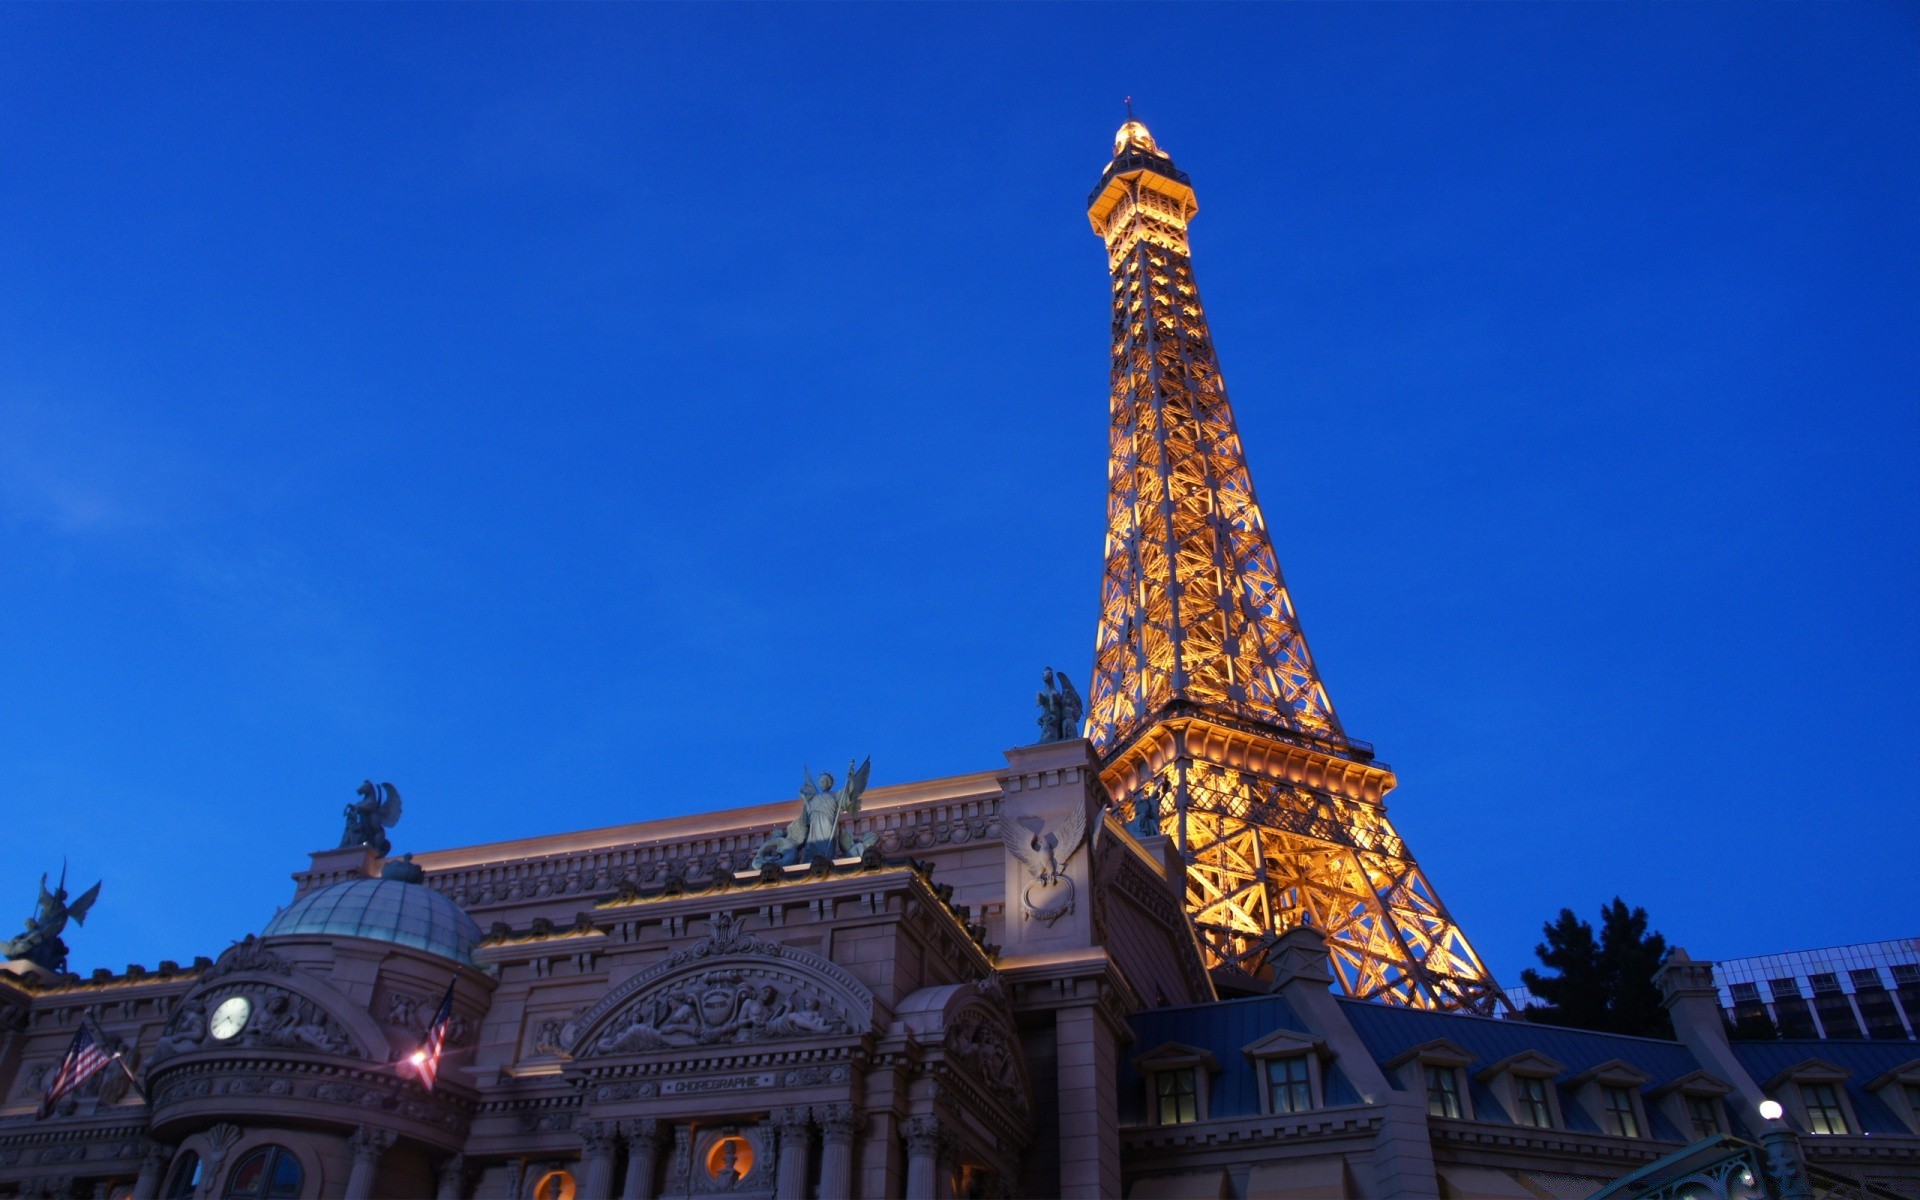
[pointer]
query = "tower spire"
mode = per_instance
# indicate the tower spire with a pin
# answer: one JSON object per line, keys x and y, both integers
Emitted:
{"x": 1206, "y": 705}
{"x": 1193, "y": 605}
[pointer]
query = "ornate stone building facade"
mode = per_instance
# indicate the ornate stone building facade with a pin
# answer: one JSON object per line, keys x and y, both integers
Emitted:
{"x": 640, "y": 1012}
{"x": 1187, "y": 956}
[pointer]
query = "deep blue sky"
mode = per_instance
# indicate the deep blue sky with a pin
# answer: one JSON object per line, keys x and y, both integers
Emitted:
{"x": 583, "y": 414}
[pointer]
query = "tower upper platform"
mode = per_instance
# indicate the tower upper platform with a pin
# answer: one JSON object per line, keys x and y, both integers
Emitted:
{"x": 1138, "y": 163}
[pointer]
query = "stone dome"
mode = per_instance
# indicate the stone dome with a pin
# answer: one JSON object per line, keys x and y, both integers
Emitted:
{"x": 386, "y": 910}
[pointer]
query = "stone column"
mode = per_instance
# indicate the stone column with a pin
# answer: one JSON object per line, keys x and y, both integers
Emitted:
{"x": 924, "y": 1137}
{"x": 597, "y": 1144}
{"x": 452, "y": 1179}
{"x": 796, "y": 1132}
{"x": 1089, "y": 1107}
{"x": 680, "y": 1166}
{"x": 367, "y": 1144}
{"x": 153, "y": 1167}
{"x": 644, "y": 1139}
{"x": 837, "y": 1126}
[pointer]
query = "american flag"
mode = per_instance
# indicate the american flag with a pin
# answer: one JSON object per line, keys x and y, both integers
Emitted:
{"x": 85, "y": 1057}
{"x": 426, "y": 1060}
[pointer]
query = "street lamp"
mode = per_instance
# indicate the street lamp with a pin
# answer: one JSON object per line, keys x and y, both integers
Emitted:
{"x": 1771, "y": 1110}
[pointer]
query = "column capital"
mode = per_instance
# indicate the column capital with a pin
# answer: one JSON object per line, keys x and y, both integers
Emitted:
{"x": 598, "y": 1137}
{"x": 154, "y": 1153}
{"x": 795, "y": 1120}
{"x": 646, "y": 1131}
{"x": 837, "y": 1122}
{"x": 924, "y": 1135}
{"x": 369, "y": 1142}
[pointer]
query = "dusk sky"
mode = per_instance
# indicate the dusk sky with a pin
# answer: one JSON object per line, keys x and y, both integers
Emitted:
{"x": 578, "y": 415}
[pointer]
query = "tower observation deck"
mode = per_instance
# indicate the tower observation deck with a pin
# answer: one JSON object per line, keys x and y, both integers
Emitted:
{"x": 1206, "y": 706}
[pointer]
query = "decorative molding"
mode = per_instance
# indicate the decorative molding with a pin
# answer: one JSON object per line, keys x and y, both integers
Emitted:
{"x": 600, "y": 871}
{"x": 249, "y": 955}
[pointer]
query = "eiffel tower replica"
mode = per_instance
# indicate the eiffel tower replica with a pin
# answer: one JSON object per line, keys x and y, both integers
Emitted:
{"x": 1205, "y": 706}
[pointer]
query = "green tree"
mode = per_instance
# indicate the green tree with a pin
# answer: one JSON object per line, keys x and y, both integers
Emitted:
{"x": 1603, "y": 982}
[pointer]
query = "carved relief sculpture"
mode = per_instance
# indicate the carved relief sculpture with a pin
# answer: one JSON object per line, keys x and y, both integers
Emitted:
{"x": 1045, "y": 856}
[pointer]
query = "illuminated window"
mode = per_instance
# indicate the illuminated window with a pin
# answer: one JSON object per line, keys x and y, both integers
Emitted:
{"x": 555, "y": 1185}
{"x": 729, "y": 1160}
{"x": 1289, "y": 1089}
{"x": 269, "y": 1173}
{"x": 1704, "y": 1114}
{"x": 1179, "y": 1100}
{"x": 1530, "y": 1101}
{"x": 1824, "y": 1114}
{"x": 1443, "y": 1092}
{"x": 1621, "y": 1117}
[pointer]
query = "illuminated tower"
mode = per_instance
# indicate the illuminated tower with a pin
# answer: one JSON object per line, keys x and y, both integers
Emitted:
{"x": 1206, "y": 706}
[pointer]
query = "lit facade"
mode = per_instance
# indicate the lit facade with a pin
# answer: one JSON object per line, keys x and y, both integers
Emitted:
{"x": 1183, "y": 956}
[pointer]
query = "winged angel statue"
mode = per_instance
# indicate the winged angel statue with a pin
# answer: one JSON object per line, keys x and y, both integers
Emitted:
{"x": 40, "y": 944}
{"x": 1050, "y": 896}
{"x": 368, "y": 818}
{"x": 822, "y": 828}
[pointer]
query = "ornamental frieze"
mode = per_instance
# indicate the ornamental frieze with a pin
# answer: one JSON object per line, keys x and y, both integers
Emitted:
{"x": 604, "y": 872}
{"x": 360, "y": 1093}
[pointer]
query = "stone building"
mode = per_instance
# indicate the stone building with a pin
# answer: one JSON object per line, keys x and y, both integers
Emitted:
{"x": 1186, "y": 955}
{"x": 639, "y": 1012}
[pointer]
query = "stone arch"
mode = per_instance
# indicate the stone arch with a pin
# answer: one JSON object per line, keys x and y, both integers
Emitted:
{"x": 974, "y": 1028}
{"x": 733, "y": 989}
{"x": 362, "y": 1035}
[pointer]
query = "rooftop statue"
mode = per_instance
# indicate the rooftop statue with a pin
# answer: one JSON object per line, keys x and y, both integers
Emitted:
{"x": 368, "y": 818}
{"x": 40, "y": 944}
{"x": 821, "y": 829}
{"x": 1060, "y": 708}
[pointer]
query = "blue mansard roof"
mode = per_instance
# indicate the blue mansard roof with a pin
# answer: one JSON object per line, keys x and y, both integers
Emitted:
{"x": 1866, "y": 1061}
{"x": 1223, "y": 1029}
{"x": 1390, "y": 1031}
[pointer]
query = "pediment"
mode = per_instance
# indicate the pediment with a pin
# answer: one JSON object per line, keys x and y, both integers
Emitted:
{"x": 1169, "y": 1056}
{"x": 1527, "y": 1062}
{"x": 1283, "y": 1042}
{"x": 731, "y": 989}
{"x": 1810, "y": 1070}
{"x": 1906, "y": 1072}
{"x": 1615, "y": 1072}
{"x": 1441, "y": 1052}
{"x": 285, "y": 1010}
{"x": 1694, "y": 1083}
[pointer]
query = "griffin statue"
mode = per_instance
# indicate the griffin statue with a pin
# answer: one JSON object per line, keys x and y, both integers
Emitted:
{"x": 368, "y": 818}
{"x": 40, "y": 944}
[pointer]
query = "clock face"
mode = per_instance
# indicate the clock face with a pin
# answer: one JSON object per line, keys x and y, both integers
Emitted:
{"x": 230, "y": 1018}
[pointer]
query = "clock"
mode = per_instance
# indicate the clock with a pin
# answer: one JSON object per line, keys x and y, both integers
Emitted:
{"x": 230, "y": 1018}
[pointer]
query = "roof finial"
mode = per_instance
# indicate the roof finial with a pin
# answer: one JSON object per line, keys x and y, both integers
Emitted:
{"x": 1129, "y": 108}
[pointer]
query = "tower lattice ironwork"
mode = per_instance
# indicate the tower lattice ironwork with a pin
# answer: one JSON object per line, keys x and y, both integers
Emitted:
{"x": 1206, "y": 705}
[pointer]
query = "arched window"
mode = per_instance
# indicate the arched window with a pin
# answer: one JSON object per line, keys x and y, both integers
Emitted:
{"x": 268, "y": 1173}
{"x": 185, "y": 1179}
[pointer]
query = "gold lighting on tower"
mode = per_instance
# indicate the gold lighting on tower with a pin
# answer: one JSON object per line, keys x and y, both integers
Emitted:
{"x": 1206, "y": 705}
